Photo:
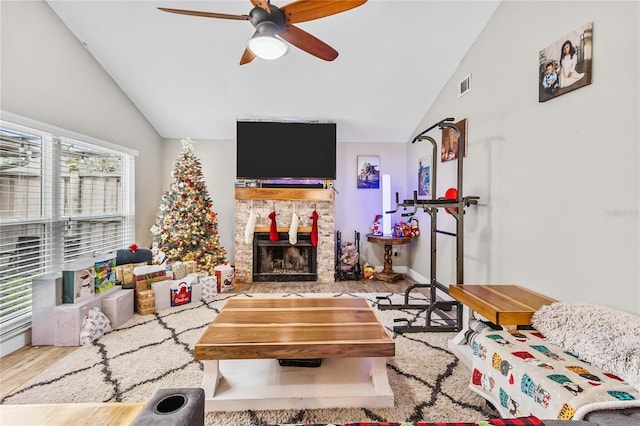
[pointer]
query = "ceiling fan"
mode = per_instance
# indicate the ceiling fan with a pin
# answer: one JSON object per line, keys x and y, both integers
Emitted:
{"x": 274, "y": 24}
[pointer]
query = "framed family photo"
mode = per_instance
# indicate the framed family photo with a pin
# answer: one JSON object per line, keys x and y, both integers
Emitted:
{"x": 368, "y": 172}
{"x": 565, "y": 65}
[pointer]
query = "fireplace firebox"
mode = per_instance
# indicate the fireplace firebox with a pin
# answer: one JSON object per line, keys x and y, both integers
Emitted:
{"x": 281, "y": 261}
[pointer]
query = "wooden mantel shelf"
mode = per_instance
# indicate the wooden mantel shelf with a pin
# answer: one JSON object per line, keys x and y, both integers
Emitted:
{"x": 303, "y": 194}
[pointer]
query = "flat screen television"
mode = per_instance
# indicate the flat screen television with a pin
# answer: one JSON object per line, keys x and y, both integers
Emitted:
{"x": 285, "y": 150}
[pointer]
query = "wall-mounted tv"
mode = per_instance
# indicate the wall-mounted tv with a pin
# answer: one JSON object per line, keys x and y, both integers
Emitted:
{"x": 285, "y": 150}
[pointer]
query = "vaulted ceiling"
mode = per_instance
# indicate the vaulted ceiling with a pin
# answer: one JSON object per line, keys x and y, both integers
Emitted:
{"x": 183, "y": 72}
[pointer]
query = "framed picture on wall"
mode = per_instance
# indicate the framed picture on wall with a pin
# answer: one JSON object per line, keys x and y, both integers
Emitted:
{"x": 565, "y": 65}
{"x": 368, "y": 172}
{"x": 424, "y": 176}
{"x": 450, "y": 141}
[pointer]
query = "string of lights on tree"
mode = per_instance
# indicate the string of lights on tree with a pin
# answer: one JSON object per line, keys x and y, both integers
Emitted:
{"x": 186, "y": 228}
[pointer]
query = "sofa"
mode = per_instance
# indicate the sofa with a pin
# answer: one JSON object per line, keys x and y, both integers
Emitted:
{"x": 579, "y": 362}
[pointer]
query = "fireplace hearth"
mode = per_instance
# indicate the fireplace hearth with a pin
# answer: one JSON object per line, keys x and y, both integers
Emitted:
{"x": 280, "y": 261}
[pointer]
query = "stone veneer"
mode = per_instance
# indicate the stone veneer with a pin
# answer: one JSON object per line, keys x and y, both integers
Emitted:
{"x": 284, "y": 209}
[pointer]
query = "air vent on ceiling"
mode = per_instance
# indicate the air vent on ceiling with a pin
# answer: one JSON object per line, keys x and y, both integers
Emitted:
{"x": 464, "y": 86}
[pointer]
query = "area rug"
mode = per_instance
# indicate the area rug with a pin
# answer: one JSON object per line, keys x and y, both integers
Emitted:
{"x": 150, "y": 352}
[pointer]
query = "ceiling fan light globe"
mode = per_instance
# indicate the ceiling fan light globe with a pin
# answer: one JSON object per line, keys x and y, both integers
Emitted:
{"x": 267, "y": 47}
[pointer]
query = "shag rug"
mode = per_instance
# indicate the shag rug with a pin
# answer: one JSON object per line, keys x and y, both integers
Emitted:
{"x": 150, "y": 352}
{"x": 607, "y": 338}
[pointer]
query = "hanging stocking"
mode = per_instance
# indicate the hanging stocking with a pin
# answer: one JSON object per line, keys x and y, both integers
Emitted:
{"x": 273, "y": 231}
{"x": 314, "y": 229}
{"x": 251, "y": 226}
{"x": 293, "y": 229}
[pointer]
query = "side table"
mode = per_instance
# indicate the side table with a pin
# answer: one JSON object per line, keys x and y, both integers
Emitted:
{"x": 509, "y": 306}
{"x": 388, "y": 273}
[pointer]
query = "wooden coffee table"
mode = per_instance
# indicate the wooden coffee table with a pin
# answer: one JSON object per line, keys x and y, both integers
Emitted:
{"x": 251, "y": 334}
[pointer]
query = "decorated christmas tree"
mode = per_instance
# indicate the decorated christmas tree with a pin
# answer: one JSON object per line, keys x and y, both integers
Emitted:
{"x": 186, "y": 228}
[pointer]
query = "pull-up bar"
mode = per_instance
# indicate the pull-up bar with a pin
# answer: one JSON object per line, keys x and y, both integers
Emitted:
{"x": 438, "y": 124}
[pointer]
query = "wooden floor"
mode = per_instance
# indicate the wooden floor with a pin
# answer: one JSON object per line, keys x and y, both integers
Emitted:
{"x": 19, "y": 367}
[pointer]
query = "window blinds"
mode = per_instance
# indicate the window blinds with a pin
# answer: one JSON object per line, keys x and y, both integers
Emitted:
{"x": 60, "y": 198}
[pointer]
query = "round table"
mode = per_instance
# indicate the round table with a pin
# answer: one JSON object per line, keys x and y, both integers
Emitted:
{"x": 387, "y": 273}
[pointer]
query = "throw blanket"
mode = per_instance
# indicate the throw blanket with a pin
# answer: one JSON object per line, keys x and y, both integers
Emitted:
{"x": 521, "y": 373}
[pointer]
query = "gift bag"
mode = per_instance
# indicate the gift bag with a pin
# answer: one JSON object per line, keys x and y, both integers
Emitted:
{"x": 224, "y": 277}
{"x": 209, "y": 287}
{"x": 181, "y": 292}
{"x": 94, "y": 325}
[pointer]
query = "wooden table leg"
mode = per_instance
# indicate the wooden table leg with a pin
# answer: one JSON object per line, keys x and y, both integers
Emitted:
{"x": 387, "y": 273}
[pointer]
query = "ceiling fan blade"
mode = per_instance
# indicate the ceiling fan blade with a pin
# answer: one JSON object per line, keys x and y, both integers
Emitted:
{"x": 310, "y": 44}
{"x": 247, "y": 57}
{"x": 206, "y": 14}
{"x": 263, "y": 4}
{"x": 308, "y": 10}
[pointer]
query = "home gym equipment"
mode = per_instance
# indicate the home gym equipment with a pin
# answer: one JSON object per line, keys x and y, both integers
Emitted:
{"x": 454, "y": 204}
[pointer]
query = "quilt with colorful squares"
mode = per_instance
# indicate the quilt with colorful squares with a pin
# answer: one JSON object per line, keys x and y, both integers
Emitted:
{"x": 522, "y": 374}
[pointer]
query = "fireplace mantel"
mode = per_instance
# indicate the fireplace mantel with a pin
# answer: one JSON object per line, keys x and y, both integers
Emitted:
{"x": 304, "y": 194}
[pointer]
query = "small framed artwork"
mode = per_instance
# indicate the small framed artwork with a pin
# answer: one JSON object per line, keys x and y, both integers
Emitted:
{"x": 424, "y": 176}
{"x": 450, "y": 141}
{"x": 368, "y": 172}
{"x": 565, "y": 65}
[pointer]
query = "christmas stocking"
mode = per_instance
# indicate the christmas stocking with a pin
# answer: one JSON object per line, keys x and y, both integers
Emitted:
{"x": 273, "y": 231}
{"x": 251, "y": 226}
{"x": 293, "y": 229}
{"x": 314, "y": 229}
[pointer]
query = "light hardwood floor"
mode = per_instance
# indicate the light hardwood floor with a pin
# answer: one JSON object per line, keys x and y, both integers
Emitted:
{"x": 19, "y": 367}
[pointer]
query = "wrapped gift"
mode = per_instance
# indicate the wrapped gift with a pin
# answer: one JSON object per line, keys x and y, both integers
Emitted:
{"x": 105, "y": 272}
{"x": 118, "y": 307}
{"x": 196, "y": 292}
{"x": 146, "y": 301}
{"x": 224, "y": 276}
{"x": 163, "y": 294}
{"x": 144, "y": 276}
{"x": 192, "y": 266}
{"x": 124, "y": 273}
{"x": 179, "y": 270}
{"x": 78, "y": 280}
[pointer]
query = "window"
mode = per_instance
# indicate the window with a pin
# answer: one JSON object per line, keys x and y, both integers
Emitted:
{"x": 61, "y": 197}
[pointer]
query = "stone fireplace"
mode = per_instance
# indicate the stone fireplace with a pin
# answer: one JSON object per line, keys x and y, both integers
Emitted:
{"x": 281, "y": 261}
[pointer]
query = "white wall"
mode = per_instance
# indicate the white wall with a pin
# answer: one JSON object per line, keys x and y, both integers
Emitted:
{"x": 356, "y": 208}
{"x": 48, "y": 76}
{"x": 558, "y": 180}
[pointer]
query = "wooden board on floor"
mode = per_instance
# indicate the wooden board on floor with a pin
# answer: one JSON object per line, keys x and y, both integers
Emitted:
{"x": 120, "y": 413}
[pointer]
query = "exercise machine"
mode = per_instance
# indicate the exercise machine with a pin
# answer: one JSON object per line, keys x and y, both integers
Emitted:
{"x": 454, "y": 203}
